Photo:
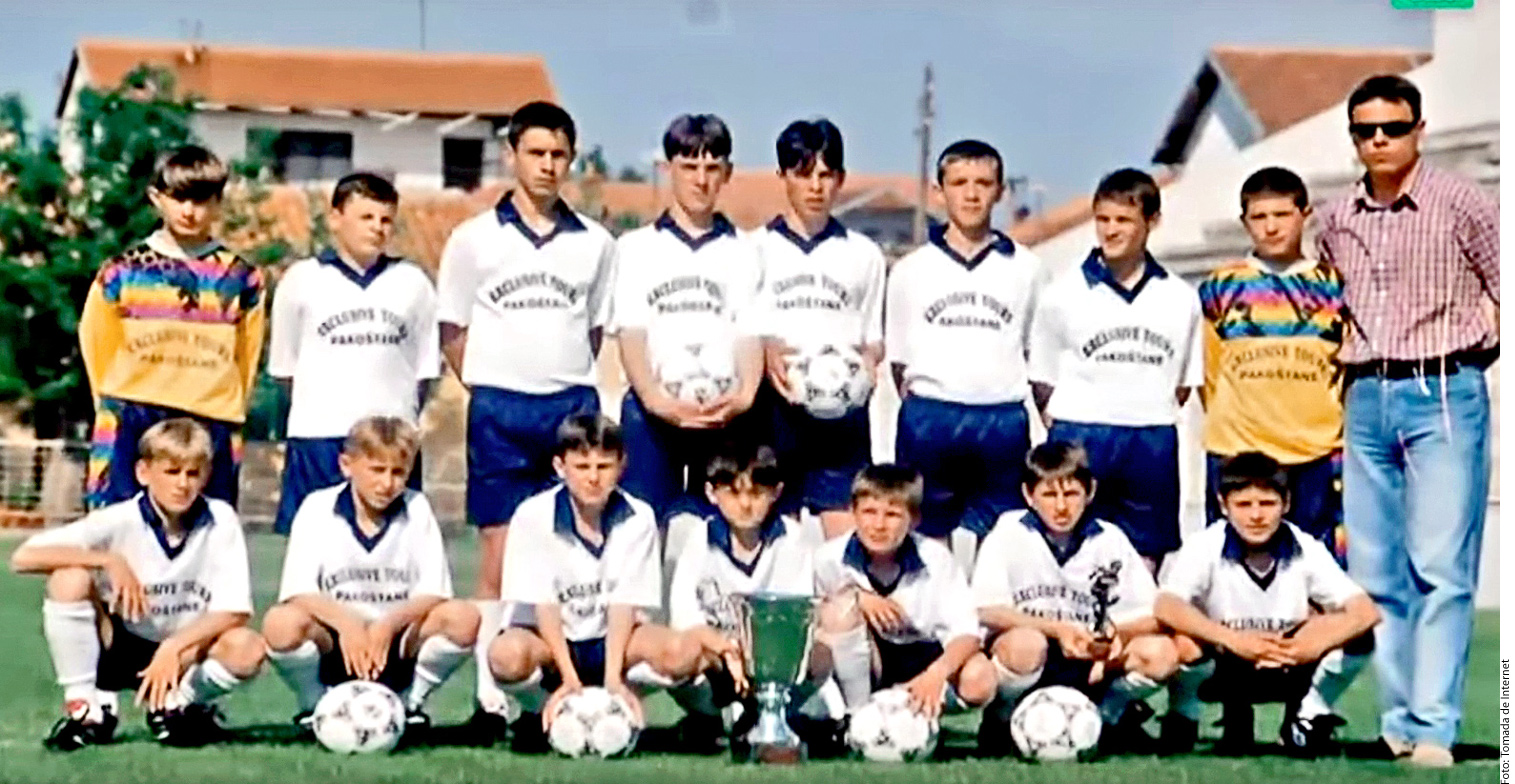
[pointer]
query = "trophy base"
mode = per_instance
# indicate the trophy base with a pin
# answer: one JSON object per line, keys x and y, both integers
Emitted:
{"x": 777, "y": 754}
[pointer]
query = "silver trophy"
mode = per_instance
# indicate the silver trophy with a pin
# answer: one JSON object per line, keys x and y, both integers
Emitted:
{"x": 774, "y": 632}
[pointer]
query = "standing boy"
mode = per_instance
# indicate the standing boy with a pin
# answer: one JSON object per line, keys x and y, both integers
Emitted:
{"x": 354, "y": 334}
{"x": 172, "y": 327}
{"x": 1116, "y": 348}
{"x": 958, "y": 313}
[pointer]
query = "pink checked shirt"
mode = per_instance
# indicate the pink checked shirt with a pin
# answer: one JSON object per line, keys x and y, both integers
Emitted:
{"x": 1418, "y": 270}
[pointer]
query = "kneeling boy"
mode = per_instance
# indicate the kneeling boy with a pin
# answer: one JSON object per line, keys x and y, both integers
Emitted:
{"x": 366, "y": 591}
{"x": 1038, "y": 579}
{"x": 149, "y": 594}
{"x": 1265, "y": 602}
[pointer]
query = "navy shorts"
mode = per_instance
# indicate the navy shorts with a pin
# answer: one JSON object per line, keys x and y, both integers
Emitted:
{"x": 1314, "y": 496}
{"x": 127, "y": 655}
{"x": 588, "y": 657}
{"x": 901, "y": 662}
{"x": 310, "y": 464}
{"x": 1061, "y": 670}
{"x": 1137, "y": 470}
{"x": 820, "y": 457}
{"x": 511, "y": 438}
{"x": 119, "y": 424}
{"x": 398, "y": 670}
{"x": 665, "y": 464}
{"x": 971, "y": 457}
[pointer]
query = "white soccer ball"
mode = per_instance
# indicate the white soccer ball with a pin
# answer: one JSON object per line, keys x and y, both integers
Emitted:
{"x": 359, "y": 717}
{"x": 830, "y": 380}
{"x": 696, "y": 372}
{"x": 592, "y": 722}
{"x": 887, "y": 729}
{"x": 1055, "y": 724}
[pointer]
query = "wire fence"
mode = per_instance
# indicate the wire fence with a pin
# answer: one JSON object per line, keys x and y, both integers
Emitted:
{"x": 41, "y": 481}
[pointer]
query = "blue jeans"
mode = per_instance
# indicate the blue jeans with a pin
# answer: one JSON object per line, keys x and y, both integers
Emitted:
{"x": 1416, "y": 486}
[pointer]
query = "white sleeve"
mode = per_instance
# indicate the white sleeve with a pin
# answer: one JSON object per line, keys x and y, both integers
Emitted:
{"x": 526, "y": 576}
{"x": 742, "y": 299}
{"x": 628, "y": 306}
{"x": 1329, "y": 585}
{"x": 639, "y": 581}
{"x": 830, "y": 578}
{"x": 602, "y": 288}
{"x": 230, "y": 584}
{"x": 435, "y": 577}
{"x": 1039, "y": 280}
{"x": 302, "y": 556}
{"x": 1194, "y": 358}
{"x": 1189, "y": 576}
{"x": 94, "y": 531}
{"x": 1046, "y": 344}
{"x": 897, "y": 313}
{"x": 683, "y": 597}
{"x": 457, "y": 279}
{"x": 991, "y": 570}
{"x": 284, "y": 327}
{"x": 1136, "y": 591}
{"x": 428, "y": 341}
{"x": 873, "y": 298}
{"x": 763, "y": 316}
{"x": 959, "y": 615}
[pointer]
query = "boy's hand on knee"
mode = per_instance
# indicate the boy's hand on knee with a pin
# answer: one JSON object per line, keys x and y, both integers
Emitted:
{"x": 127, "y": 596}
{"x": 159, "y": 679}
{"x": 926, "y": 692}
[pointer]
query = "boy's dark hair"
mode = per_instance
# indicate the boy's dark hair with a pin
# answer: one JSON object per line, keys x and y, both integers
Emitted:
{"x": 190, "y": 173}
{"x": 540, "y": 114}
{"x": 890, "y": 480}
{"x": 693, "y": 135}
{"x": 367, "y": 185}
{"x": 969, "y": 150}
{"x": 1057, "y": 460}
{"x": 734, "y": 458}
{"x": 804, "y": 142}
{"x": 1388, "y": 87}
{"x": 1252, "y": 469}
{"x": 582, "y": 432}
{"x": 1131, "y": 186}
{"x": 1274, "y": 181}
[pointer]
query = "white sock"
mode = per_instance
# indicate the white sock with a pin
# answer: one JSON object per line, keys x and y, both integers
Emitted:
{"x": 74, "y": 642}
{"x": 435, "y": 661}
{"x": 527, "y": 695}
{"x": 1125, "y": 689}
{"x": 852, "y": 665}
{"x": 1335, "y": 673}
{"x": 108, "y": 701}
{"x": 1011, "y": 686}
{"x": 205, "y": 682}
{"x": 487, "y": 693}
{"x": 301, "y": 670}
{"x": 1183, "y": 689}
{"x": 825, "y": 703}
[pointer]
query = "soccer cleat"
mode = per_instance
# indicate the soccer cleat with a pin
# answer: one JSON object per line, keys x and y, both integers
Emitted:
{"x": 417, "y": 727}
{"x": 1311, "y": 738}
{"x": 75, "y": 731}
{"x": 700, "y": 734}
{"x": 304, "y": 721}
{"x": 824, "y": 738}
{"x": 1179, "y": 734}
{"x": 527, "y": 735}
{"x": 1237, "y": 735}
{"x": 994, "y": 739}
{"x": 486, "y": 728}
{"x": 187, "y": 727}
{"x": 1126, "y": 735}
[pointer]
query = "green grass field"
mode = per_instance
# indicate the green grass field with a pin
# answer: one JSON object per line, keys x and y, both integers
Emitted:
{"x": 259, "y": 713}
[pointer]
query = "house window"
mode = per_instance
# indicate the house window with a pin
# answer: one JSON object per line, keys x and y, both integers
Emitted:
{"x": 307, "y": 155}
{"x": 462, "y": 163}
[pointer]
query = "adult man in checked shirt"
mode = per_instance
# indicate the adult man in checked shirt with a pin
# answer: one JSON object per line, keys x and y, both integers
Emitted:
{"x": 1419, "y": 251}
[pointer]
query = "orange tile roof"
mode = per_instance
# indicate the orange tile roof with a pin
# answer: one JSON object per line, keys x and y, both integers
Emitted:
{"x": 1284, "y": 85}
{"x": 330, "y": 79}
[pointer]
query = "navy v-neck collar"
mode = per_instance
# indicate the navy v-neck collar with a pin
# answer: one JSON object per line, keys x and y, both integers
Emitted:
{"x": 998, "y": 243}
{"x": 833, "y": 228}
{"x": 1096, "y": 272}
{"x": 197, "y": 515}
{"x": 363, "y": 279}
{"x": 718, "y": 534}
{"x": 1086, "y": 528}
{"x": 908, "y": 557}
{"x": 1283, "y": 547}
{"x": 564, "y": 219}
{"x": 617, "y": 510}
{"x": 346, "y": 508}
{"x": 719, "y": 227}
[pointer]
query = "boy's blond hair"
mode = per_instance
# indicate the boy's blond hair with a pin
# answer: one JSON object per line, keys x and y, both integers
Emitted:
{"x": 382, "y": 436}
{"x": 181, "y": 439}
{"x": 890, "y": 481}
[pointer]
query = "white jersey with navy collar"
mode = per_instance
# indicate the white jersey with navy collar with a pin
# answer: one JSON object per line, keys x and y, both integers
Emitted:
{"x": 529, "y": 301}
{"x": 959, "y": 326}
{"x": 548, "y": 562}
{"x": 827, "y": 289}
{"x": 355, "y": 344}
{"x": 931, "y": 589}
{"x": 329, "y": 555}
{"x": 1209, "y": 573}
{"x": 1018, "y": 566}
{"x": 1116, "y": 356}
{"x": 708, "y": 573}
{"x": 204, "y": 571}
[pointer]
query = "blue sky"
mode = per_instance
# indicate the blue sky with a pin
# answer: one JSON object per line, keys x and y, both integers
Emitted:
{"x": 1067, "y": 89}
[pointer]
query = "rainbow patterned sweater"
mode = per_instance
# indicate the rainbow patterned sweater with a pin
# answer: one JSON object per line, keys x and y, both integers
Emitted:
{"x": 171, "y": 330}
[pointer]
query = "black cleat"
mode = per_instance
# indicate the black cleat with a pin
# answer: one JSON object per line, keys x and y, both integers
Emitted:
{"x": 1237, "y": 735}
{"x": 1311, "y": 738}
{"x": 824, "y": 738}
{"x": 700, "y": 734}
{"x": 74, "y": 731}
{"x": 1178, "y": 735}
{"x": 304, "y": 722}
{"x": 994, "y": 739}
{"x": 486, "y": 728}
{"x": 527, "y": 735}
{"x": 417, "y": 728}
{"x": 188, "y": 727}
{"x": 1126, "y": 735}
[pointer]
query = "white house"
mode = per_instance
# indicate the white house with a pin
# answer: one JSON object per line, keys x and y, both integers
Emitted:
{"x": 427, "y": 119}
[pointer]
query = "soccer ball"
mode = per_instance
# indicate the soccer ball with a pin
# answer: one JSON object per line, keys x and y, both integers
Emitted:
{"x": 830, "y": 380}
{"x": 359, "y": 717}
{"x": 696, "y": 372}
{"x": 1054, "y": 724}
{"x": 593, "y": 722}
{"x": 887, "y": 729}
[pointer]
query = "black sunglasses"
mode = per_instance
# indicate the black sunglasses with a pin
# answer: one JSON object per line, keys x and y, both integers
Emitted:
{"x": 1393, "y": 130}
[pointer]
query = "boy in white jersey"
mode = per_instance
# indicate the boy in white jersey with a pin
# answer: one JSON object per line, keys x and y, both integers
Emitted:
{"x": 523, "y": 293}
{"x": 958, "y": 312}
{"x": 1265, "y": 602}
{"x": 1041, "y": 580}
{"x": 897, "y": 609}
{"x": 686, "y": 283}
{"x": 822, "y": 285}
{"x": 584, "y": 559}
{"x": 150, "y": 594}
{"x": 1116, "y": 349}
{"x": 354, "y": 334}
{"x": 366, "y": 591}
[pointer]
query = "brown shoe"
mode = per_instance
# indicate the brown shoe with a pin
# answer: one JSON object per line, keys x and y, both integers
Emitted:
{"x": 1430, "y": 755}
{"x": 1398, "y": 749}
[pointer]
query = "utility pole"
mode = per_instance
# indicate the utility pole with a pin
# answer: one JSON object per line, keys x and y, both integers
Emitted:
{"x": 923, "y": 183}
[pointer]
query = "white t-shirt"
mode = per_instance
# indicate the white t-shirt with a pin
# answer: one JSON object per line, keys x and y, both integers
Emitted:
{"x": 355, "y": 344}
{"x": 1017, "y": 567}
{"x": 547, "y": 561}
{"x": 1116, "y": 357}
{"x": 931, "y": 589}
{"x": 1208, "y": 572}
{"x": 206, "y": 571}
{"x": 528, "y": 301}
{"x": 959, "y": 326}
{"x": 685, "y": 290}
{"x": 828, "y": 289}
{"x": 707, "y": 573}
{"x": 328, "y": 555}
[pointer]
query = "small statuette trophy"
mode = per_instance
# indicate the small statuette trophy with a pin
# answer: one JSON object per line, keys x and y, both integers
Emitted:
{"x": 1105, "y": 579}
{"x": 774, "y": 632}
